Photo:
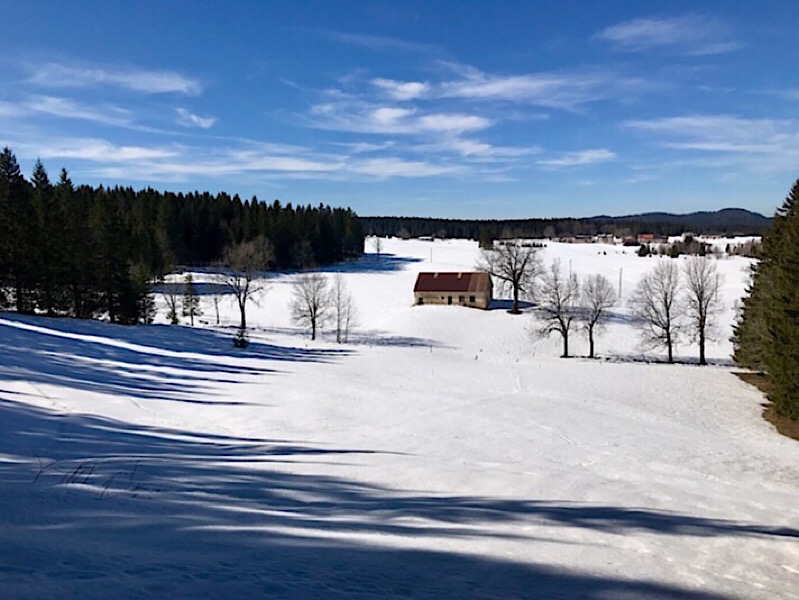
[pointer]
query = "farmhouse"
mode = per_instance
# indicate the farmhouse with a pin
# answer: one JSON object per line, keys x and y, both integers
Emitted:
{"x": 464, "y": 289}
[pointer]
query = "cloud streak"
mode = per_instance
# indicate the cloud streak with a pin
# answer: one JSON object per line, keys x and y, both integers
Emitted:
{"x": 579, "y": 158}
{"x": 138, "y": 80}
{"x": 689, "y": 34}
{"x": 69, "y": 109}
{"x": 188, "y": 119}
{"x": 759, "y": 144}
{"x": 363, "y": 117}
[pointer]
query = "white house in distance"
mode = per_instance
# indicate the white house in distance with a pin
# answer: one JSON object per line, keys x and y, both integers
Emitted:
{"x": 464, "y": 289}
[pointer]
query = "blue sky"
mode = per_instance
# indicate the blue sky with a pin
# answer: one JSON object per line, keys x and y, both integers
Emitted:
{"x": 447, "y": 109}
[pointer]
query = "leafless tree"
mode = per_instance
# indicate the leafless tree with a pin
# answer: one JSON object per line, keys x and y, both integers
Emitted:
{"x": 191, "y": 301}
{"x": 597, "y": 297}
{"x": 344, "y": 311}
{"x": 216, "y": 283}
{"x": 514, "y": 266}
{"x": 703, "y": 300}
{"x": 311, "y": 303}
{"x": 558, "y": 298}
{"x": 244, "y": 261}
{"x": 171, "y": 296}
{"x": 656, "y": 305}
{"x": 377, "y": 244}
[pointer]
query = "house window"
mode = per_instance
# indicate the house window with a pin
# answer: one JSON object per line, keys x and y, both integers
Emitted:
{"x": 449, "y": 299}
{"x": 420, "y": 300}
{"x": 472, "y": 299}
{"x": 461, "y": 299}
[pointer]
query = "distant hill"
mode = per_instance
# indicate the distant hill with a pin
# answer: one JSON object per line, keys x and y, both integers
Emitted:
{"x": 724, "y": 219}
{"x": 728, "y": 221}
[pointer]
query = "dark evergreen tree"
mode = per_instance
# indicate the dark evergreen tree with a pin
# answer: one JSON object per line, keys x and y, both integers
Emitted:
{"x": 86, "y": 252}
{"x": 767, "y": 333}
{"x": 49, "y": 258}
{"x": 17, "y": 234}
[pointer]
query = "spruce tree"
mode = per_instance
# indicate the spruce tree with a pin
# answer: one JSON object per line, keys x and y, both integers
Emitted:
{"x": 49, "y": 225}
{"x": 17, "y": 234}
{"x": 767, "y": 332}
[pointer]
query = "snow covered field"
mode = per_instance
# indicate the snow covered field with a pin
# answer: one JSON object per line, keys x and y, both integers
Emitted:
{"x": 440, "y": 454}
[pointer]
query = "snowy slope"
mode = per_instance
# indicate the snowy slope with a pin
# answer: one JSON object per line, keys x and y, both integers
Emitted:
{"x": 441, "y": 453}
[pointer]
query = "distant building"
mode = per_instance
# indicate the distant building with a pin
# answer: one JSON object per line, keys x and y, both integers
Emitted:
{"x": 650, "y": 238}
{"x": 605, "y": 238}
{"x": 463, "y": 289}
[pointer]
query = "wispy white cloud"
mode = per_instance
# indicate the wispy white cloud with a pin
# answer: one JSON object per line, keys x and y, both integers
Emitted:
{"x": 138, "y": 80}
{"x": 582, "y": 157}
{"x": 760, "y": 144}
{"x": 689, "y": 34}
{"x": 364, "y": 147}
{"x": 189, "y": 119}
{"x": 11, "y": 109}
{"x": 402, "y": 90}
{"x": 563, "y": 91}
{"x": 558, "y": 90}
{"x": 363, "y": 117}
{"x": 182, "y": 163}
{"x": 69, "y": 109}
{"x": 379, "y": 43}
{"x": 98, "y": 150}
{"x": 478, "y": 150}
{"x": 384, "y": 168}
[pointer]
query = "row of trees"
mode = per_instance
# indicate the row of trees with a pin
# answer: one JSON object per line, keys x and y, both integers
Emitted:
{"x": 84, "y": 252}
{"x": 766, "y": 336}
{"x": 724, "y": 222}
{"x": 667, "y": 303}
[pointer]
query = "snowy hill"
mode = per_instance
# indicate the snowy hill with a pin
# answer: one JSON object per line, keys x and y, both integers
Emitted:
{"x": 441, "y": 453}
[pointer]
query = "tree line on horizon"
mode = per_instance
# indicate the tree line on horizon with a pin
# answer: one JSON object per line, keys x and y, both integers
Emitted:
{"x": 488, "y": 230}
{"x": 84, "y": 251}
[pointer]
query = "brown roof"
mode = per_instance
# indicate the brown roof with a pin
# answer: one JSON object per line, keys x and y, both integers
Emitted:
{"x": 452, "y": 282}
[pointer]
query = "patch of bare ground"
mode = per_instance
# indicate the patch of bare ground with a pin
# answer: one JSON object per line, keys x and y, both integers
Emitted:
{"x": 786, "y": 426}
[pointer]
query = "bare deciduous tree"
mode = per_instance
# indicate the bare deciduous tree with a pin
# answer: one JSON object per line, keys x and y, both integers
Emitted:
{"x": 245, "y": 260}
{"x": 344, "y": 311}
{"x": 558, "y": 297}
{"x": 514, "y": 266}
{"x": 216, "y": 285}
{"x": 377, "y": 244}
{"x": 597, "y": 297}
{"x": 656, "y": 305}
{"x": 311, "y": 303}
{"x": 703, "y": 300}
{"x": 191, "y": 301}
{"x": 171, "y": 296}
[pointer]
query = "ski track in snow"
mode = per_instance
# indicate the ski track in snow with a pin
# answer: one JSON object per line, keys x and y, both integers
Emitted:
{"x": 442, "y": 454}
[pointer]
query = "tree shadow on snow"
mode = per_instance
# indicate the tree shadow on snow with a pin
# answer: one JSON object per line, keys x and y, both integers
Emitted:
{"x": 375, "y": 337}
{"x": 189, "y": 513}
{"x": 507, "y": 305}
{"x": 144, "y": 362}
{"x": 642, "y": 358}
{"x": 372, "y": 263}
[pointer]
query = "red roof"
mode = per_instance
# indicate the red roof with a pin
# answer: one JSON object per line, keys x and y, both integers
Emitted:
{"x": 452, "y": 282}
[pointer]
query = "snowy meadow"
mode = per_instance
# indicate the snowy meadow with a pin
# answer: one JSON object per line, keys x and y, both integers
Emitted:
{"x": 442, "y": 452}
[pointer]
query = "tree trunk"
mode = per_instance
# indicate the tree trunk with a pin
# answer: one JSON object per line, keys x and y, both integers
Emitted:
{"x": 313, "y": 329}
{"x": 669, "y": 345}
{"x": 702, "y": 360}
{"x": 515, "y": 308}
{"x": 565, "y": 344}
{"x": 243, "y": 325}
{"x": 590, "y": 342}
